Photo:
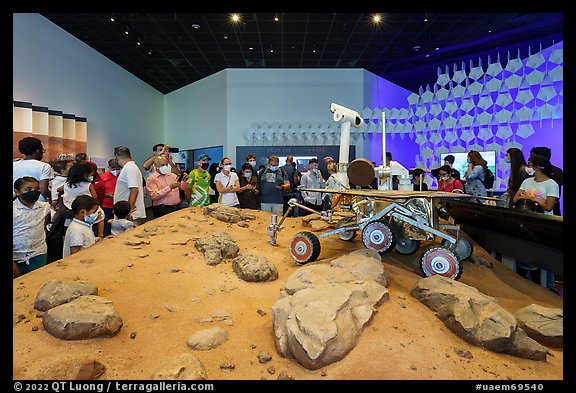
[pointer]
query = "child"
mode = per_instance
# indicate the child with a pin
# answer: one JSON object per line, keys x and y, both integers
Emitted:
{"x": 120, "y": 223}
{"x": 79, "y": 234}
{"x": 79, "y": 182}
{"x": 60, "y": 166}
{"x": 29, "y": 219}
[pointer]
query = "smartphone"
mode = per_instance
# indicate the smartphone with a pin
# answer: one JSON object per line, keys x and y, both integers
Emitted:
{"x": 173, "y": 150}
{"x": 181, "y": 176}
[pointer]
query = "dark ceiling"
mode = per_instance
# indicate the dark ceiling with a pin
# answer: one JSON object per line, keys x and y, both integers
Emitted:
{"x": 177, "y": 49}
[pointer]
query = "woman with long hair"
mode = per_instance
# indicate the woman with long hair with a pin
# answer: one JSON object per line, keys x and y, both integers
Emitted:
{"x": 540, "y": 188}
{"x": 518, "y": 174}
{"x": 475, "y": 174}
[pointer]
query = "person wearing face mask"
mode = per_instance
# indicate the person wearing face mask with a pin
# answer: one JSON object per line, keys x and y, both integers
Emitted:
{"x": 163, "y": 187}
{"x": 199, "y": 182}
{"x": 227, "y": 183}
{"x": 312, "y": 179}
{"x": 31, "y": 165}
{"x": 251, "y": 159}
{"x": 273, "y": 180}
{"x": 29, "y": 219}
{"x": 518, "y": 174}
{"x": 130, "y": 185}
{"x": 539, "y": 187}
{"x": 447, "y": 182}
{"x": 79, "y": 234}
{"x": 248, "y": 193}
{"x": 109, "y": 179}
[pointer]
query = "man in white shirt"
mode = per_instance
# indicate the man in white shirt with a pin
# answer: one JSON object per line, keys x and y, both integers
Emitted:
{"x": 313, "y": 179}
{"x": 31, "y": 165}
{"x": 130, "y": 185}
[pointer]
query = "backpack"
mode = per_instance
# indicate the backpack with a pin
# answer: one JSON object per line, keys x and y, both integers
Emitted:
{"x": 488, "y": 179}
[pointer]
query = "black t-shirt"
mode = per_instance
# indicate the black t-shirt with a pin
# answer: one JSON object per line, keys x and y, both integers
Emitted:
{"x": 417, "y": 187}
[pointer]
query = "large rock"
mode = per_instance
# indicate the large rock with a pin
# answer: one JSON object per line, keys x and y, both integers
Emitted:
{"x": 85, "y": 317}
{"x": 364, "y": 264}
{"x": 185, "y": 367}
{"x": 470, "y": 314}
{"x": 527, "y": 348}
{"x": 476, "y": 317}
{"x": 217, "y": 244}
{"x": 254, "y": 268}
{"x": 57, "y": 292}
{"x": 322, "y": 312}
{"x": 545, "y": 325}
{"x": 227, "y": 213}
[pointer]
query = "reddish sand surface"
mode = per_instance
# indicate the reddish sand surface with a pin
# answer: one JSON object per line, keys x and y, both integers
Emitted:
{"x": 161, "y": 307}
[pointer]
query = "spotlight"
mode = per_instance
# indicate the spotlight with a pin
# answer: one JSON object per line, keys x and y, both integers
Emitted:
{"x": 112, "y": 19}
{"x": 426, "y": 17}
{"x": 276, "y": 18}
{"x": 127, "y": 31}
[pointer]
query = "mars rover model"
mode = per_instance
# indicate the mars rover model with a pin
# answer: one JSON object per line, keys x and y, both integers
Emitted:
{"x": 386, "y": 219}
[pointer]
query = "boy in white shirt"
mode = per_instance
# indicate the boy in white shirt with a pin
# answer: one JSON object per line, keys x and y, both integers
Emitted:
{"x": 79, "y": 234}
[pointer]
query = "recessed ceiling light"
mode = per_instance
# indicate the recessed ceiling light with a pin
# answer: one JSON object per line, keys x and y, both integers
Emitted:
{"x": 251, "y": 48}
{"x": 416, "y": 48}
{"x": 225, "y": 37}
{"x": 195, "y": 26}
{"x": 235, "y": 18}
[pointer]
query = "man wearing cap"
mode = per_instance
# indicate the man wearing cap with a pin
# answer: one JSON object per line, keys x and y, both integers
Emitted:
{"x": 199, "y": 182}
{"x": 312, "y": 179}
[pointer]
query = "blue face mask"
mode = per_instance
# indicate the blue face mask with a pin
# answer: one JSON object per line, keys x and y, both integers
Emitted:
{"x": 248, "y": 175}
{"x": 274, "y": 168}
{"x": 90, "y": 218}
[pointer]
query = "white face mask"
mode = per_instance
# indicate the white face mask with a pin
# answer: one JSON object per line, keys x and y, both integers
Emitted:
{"x": 114, "y": 172}
{"x": 90, "y": 178}
{"x": 164, "y": 169}
{"x": 444, "y": 177}
{"x": 530, "y": 171}
{"x": 253, "y": 163}
{"x": 227, "y": 167}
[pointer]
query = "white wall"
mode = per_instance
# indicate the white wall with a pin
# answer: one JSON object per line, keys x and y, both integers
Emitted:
{"x": 52, "y": 68}
{"x": 195, "y": 115}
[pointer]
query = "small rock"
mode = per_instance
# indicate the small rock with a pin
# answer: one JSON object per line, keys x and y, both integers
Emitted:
{"x": 133, "y": 335}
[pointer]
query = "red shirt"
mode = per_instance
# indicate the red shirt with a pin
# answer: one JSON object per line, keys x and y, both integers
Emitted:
{"x": 450, "y": 186}
{"x": 109, "y": 181}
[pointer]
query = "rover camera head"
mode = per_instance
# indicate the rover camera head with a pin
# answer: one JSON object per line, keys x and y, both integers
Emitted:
{"x": 343, "y": 114}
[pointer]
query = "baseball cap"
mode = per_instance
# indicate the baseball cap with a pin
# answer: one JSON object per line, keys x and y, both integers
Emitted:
{"x": 204, "y": 157}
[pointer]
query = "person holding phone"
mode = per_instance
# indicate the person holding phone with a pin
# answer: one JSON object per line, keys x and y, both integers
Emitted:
{"x": 160, "y": 149}
{"x": 163, "y": 186}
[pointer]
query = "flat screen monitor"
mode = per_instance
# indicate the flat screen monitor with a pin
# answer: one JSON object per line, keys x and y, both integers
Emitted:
{"x": 461, "y": 161}
{"x": 301, "y": 162}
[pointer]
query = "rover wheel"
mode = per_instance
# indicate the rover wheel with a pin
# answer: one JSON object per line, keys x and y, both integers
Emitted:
{"x": 463, "y": 248}
{"x": 346, "y": 235}
{"x": 407, "y": 246}
{"x": 440, "y": 260}
{"x": 378, "y": 236}
{"x": 304, "y": 247}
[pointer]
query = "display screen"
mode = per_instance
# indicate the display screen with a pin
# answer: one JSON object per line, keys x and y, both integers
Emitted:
{"x": 301, "y": 162}
{"x": 461, "y": 161}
